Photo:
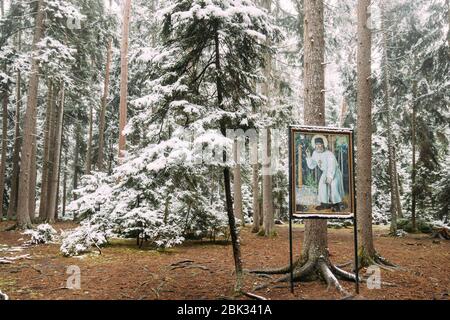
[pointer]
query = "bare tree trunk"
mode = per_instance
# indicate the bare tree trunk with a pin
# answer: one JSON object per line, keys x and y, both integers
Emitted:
{"x": 227, "y": 181}
{"x": 255, "y": 188}
{"x": 46, "y": 161}
{"x": 237, "y": 187}
{"x": 61, "y": 145}
{"x": 76, "y": 159}
{"x": 4, "y": 146}
{"x": 414, "y": 169}
{"x": 64, "y": 195}
{"x": 364, "y": 127}
{"x": 124, "y": 78}
{"x": 12, "y": 208}
{"x": 268, "y": 210}
{"x": 101, "y": 130}
{"x": 89, "y": 144}
{"x": 399, "y": 202}
{"x": 314, "y": 261}
{"x": 367, "y": 253}
{"x": 51, "y": 153}
{"x": 389, "y": 133}
{"x": 27, "y": 169}
{"x": 33, "y": 175}
{"x": 56, "y": 160}
{"x": 315, "y": 239}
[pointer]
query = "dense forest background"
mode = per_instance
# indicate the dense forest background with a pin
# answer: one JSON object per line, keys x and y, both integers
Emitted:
{"x": 148, "y": 191}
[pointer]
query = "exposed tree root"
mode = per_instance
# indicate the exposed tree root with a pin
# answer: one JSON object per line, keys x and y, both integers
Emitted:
{"x": 348, "y": 276}
{"x": 330, "y": 278}
{"x": 319, "y": 268}
{"x": 304, "y": 273}
{"x": 253, "y": 296}
{"x": 281, "y": 270}
{"x": 342, "y": 274}
{"x": 366, "y": 260}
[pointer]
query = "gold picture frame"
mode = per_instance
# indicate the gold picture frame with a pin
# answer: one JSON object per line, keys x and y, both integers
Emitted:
{"x": 321, "y": 163}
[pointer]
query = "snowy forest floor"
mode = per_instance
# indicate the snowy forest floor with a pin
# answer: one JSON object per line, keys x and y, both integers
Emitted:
{"x": 204, "y": 270}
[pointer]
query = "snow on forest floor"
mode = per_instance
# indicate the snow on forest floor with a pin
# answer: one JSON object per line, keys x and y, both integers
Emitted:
{"x": 204, "y": 270}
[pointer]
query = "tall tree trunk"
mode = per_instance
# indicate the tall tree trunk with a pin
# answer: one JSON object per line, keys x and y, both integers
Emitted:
{"x": 101, "y": 130}
{"x": 27, "y": 169}
{"x": 61, "y": 146}
{"x": 399, "y": 202}
{"x": 51, "y": 153}
{"x": 64, "y": 193}
{"x": 269, "y": 225}
{"x": 367, "y": 253}
{"x": 12, "y": 208}
{"x": 124, "y": 78}
{"x": 389, "y": 133}
{"x": 33, "y": 175}
{"x": 414, "y": 169}
{"x": 255, "y": 187}
{"x": 52, "y": 206}
{"x": 364, "y": 137}
{"x": 268, "y": 212}
{"x": 4, "y": 146}
{"x": 314, "y": 261}
{"x": 237, "y": 183}
{"x": 89, "y": 144}
{"x": 46, "y": 161}
{"x": 315, "y": 239}
{"x": 227, "y": 181}
{"x": 76, "y": 159}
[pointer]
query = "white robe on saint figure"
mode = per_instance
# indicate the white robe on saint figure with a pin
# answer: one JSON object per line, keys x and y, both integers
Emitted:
{"x": 327, "y": 163}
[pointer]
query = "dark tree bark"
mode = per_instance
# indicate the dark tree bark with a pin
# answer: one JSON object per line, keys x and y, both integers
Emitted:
{"x": 12, "y": 208}
{"x": 364, "y": 137}
{"x": 89, "y": 143}
{"x": 53, "y": 183}
{"x": 101, "y": 130}
{"x": 4, "y": 145}
{"x": 414, "y": 167}
{"x": 46, "y": 160}
{"x": 124, "y": 78}
{"x": 28, "y": 166}
{"x": 366, "y": 251}
{"x": 255, "y": 187}
{"x": 76, "y": 158}
{"x": 237, "y": 183}
{"x": 395, "y": 202}
{"x": 267, "y": 178}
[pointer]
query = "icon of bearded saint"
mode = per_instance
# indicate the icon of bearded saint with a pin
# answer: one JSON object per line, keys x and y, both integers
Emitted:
{"x": 331, "y": 186}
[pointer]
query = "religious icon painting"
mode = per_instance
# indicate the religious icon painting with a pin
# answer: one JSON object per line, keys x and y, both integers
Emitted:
{"x": 321, "y": 171}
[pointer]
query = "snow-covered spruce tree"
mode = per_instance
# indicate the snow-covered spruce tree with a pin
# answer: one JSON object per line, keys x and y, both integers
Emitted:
{"x": 199, "y": 83}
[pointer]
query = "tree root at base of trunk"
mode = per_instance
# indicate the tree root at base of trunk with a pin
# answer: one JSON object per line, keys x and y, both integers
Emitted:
{"x": 311, "y": 270}
{"x": 366, "y": 260}
{"x": 281, "y": 270}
